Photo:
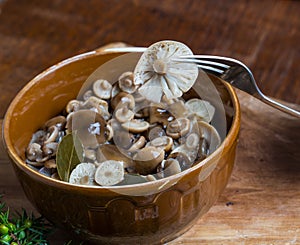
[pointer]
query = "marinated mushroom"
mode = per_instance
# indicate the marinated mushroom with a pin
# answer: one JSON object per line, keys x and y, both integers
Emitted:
{"x": 201, "y": 108}
{"x": 155, "y": 132}
{"x": 122, "y": 99}
{"x": 211, "y": 135}
{"x": 50, "y": 149}
{"x": 99, "y": 105}
{"x": 58, "y": 121}
{"x": 111, "y": 152}
{"x": 90, "y": 127}
{"x": 159, "y": 114}
{"x": 164, "y": 142}
{"x": 52, "y": 134}
{"x": 126, "y": 83}
{"x": 136, "y": 126}
{"x": 83, "y": 174}
{"x": 159, "y": 72}
{"x": 168, "y": 167}
{"x": 102, "y": 88}
{"x": 87, "y": 95}
{"x": 178, "y": 128}
{"x": 34, "y": 152}
{"x": 73, "y": 105}
{"x": 147, "y": 159}
{"x": 124, "y": 114}
{"x": 109, "y": 173}
{"x": 138, "y": 144}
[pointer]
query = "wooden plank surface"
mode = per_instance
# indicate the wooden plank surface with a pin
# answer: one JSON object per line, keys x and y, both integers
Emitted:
{"x": 261, "y": 202}
{"x": 263, "y": 195}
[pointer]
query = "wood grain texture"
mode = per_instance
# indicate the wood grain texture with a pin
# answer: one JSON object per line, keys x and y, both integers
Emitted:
{"x": 261, "y": 202}
{"x": 264, "y": 34}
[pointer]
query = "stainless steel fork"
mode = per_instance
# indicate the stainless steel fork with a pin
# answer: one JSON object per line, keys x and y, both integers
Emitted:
{"x": 231, "y": 70}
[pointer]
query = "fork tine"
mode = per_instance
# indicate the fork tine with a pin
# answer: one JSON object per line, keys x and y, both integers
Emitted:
{"x": 210, "y": 66}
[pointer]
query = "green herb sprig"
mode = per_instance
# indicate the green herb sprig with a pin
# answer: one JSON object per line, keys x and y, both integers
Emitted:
{"x": 21, "y": 228}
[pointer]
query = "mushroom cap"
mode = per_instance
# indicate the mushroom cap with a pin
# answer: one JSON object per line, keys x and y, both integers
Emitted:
{"x": 164, "y": 142}
{"x": 122, "y": 99}
{"x": 73, "y": 105}
{"x": 126, "y": 83}
{"x": 97, "y": 104}
{"x": 136, "y": 126}
{"x": 109, "y": 173}
{"x": 123, "y": 114}
{"x": 83, "y": 174}
{"x": 201, "y": 108}
{"x": 169, "y": 167}
{"x": 58, "y": 121}
{"x": 111, "y": 152}
{"x": 160, "y": 73}
{"x": 138, "y": 144}
{"x": 178, "y": 128}
{"x": 147, "y": 159}
{"x": 155, "y": 132}
{"x": 90, "y": 127}
{"x": 209, "y": 133}
{"x": 102, "y": 88}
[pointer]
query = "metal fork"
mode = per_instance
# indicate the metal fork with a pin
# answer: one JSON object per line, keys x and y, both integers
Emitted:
{"x": 231, "y": 70}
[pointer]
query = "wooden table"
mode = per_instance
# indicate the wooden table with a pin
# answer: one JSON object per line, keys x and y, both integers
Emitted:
{"x": 261, "y": 204}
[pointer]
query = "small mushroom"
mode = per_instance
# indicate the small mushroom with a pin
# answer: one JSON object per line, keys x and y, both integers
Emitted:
{"x": 102, "y": 88}
{"x": 201, "y": 108}
{"x": 185, "y": 158}
{"x": 192, "y": 141}
{"x": 136, "y": 126}
{"x": 126, "y": 83}
{"x": 73, "y": 105}
{"x": 90, "y": 155}
{"x": 109, "y": 173}
{"x": 178, "y": 109}
{"x": 124, "y": 114}
{"x": 111, "y": 152}
{"x": 50, "y": 149}
{"x": 109, "y": 132}
{"x": 168, "y": 167}
{"x": 89, "y": 93}
{"x": 52, "y": 134}
{"x": 34, "y": 152}
{"x": 156, "y": 132}
{"x": 122, "y": 99}
{"x": 51, "y": 163}
{"x": 178, "y": 128}
{"x": 159, "y": 114}
{"x": 115, "y": 90}
{"x": 38, "y": 137}
{"x": 210, "y": 134}
{"x": 147, "y": 159}
{"x": 83, "y": 174}
{"x": 160, "y": 73}
{"x": 138, "y": 144}
{"x": 123, "y": 139}
{"x": 58, "y": 121}
{"x": 164, "y": 142}
{"x": 90, "y": 127}
{"x": 100, "y": 106}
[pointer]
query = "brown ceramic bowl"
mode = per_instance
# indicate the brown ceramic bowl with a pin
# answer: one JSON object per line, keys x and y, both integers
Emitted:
{"x": 133, "y": 214}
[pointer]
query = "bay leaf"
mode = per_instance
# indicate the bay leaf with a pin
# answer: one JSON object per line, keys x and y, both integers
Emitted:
{"x": 69, "y": 155}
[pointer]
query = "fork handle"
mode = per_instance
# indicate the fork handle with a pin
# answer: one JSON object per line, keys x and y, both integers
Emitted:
{"x": 278, "y": 105}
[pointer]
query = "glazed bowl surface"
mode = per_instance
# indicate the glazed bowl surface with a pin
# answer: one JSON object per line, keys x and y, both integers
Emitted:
{"x": 133, "y": 214}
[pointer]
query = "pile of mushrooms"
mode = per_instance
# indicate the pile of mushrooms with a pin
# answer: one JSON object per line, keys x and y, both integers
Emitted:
{"x": 133, "y": 130}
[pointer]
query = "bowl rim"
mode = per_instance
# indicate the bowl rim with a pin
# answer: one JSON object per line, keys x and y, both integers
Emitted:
{"x": 222, "y": 149}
